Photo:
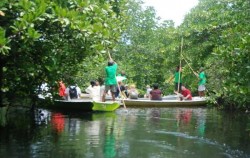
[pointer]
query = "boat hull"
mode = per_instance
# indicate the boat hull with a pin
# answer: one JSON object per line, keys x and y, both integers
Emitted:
{"x": 83, "y": 105}
{"x": 165, "y": 103}
{"x": 105, "y": 106}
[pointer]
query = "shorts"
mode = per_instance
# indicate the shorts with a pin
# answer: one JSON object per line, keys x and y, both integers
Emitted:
{"x": 201, "y": 88}
{"x": 112, "y": 88}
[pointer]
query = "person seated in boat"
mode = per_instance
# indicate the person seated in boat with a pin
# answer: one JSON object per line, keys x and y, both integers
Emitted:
{"x": 133, "y": 92}
{"x": 78, "y": 90}
{"x": 156, "y": 93}
{"x": 62, "y": 89}
{"x": 72, "y": 92}
{"x": 94, "y": 90}
{"x": 100, "y": 82}
{"x": 126, "y": 90}
{"x": 185, "y": 93}
{"x": 120, "y": 87}
{"x": 148, "y": 89}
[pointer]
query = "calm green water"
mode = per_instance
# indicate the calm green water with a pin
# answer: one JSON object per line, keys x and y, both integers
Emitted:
{"x": 136, "y": 133}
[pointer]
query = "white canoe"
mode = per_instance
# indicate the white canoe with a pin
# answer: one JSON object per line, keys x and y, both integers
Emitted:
{"x": 167, "y": 101}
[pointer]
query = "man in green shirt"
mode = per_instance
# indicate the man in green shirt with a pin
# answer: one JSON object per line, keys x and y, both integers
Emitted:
{"x": 177, "y": 79}
{"x": 202, "y": 82}
{"x": 110, "y": 80}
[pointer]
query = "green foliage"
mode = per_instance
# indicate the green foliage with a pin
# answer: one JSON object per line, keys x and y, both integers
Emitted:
{"x": 140, "y": 49}
{"x": 47, "y": 41}
{"x": 217, "y": 36}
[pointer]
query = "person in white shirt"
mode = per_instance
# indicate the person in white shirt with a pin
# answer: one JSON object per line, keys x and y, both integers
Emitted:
{"x": 94, "y": 90}
{"x": 147, "y": 91}
{"x": 78, "y": 90}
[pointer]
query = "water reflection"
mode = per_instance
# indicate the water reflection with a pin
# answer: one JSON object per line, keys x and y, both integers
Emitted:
{"x": 201, "y": 121}
{"x": 57, "y": 121}
{"x": 41, "y": 116}
{"x": 93, "y": 133}
{"x": 73, "y": 126}
{"x": 149, "y": 132}
{"x": 3, "y": 112}
{"x": 183, "y": 116}
{"x": 109, "y": 140}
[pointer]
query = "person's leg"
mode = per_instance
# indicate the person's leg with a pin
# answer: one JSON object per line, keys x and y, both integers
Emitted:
{"x": 178, "y": 87}
{"x": 113, "y": 96}
{"x": 200, "y": 90}
{"x": 103, "y": 96}
{"x": 104, "y": 93}
{"x": 113, "y": 91}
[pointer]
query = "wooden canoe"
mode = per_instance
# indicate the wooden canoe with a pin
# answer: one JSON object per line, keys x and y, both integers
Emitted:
{"x": 84, "y": 105}
{"x": 166, "y": 102}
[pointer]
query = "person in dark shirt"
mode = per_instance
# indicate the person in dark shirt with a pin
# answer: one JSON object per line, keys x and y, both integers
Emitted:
{"x": 122, "y": 89}
{"x": 156, "y": 93}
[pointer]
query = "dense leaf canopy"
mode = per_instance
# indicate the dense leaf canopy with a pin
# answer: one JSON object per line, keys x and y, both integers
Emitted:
{"x": 45, "y": 40}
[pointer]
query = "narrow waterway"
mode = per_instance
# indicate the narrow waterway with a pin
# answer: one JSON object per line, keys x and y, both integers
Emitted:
{"x": 135, "y": 133}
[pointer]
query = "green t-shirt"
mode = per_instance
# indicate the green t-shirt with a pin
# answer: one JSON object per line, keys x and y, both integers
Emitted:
{"x": 202, "y": 78}
{"x": 176, "y": 77}
{"x": 111, "y": 74}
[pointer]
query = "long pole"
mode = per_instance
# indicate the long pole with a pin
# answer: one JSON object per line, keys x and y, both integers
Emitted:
{"x": 118, "y": 85}
{"x": 180, "y": 65}
{"x": 189, "y": 66}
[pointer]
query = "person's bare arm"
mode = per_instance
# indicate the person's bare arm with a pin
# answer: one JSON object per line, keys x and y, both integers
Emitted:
{"x": 187, "y": 96}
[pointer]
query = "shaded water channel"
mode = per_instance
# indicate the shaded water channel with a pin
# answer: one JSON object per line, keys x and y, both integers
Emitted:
{"x": 136, "y": 133}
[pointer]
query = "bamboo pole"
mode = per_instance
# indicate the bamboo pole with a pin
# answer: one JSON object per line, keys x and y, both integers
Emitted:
{"x": 190, "y": 66}
{"x": 179, "y": 80}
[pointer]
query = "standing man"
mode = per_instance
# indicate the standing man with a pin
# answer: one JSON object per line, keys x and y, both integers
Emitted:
{"x": 177, "y": 79}
{"x": 202, "y": 82}
{"x": 110, "y": 80}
